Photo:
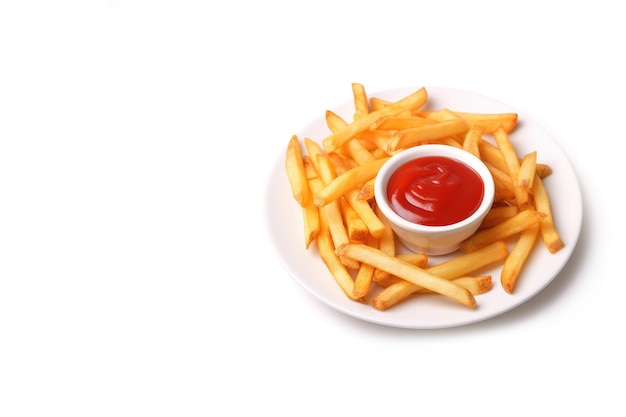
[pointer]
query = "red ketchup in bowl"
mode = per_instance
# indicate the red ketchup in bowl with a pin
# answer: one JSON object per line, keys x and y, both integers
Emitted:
{"x": 435, "y": 191}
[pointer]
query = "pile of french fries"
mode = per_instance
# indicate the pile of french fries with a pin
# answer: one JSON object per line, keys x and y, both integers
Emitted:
{"x": 333, "y": 183}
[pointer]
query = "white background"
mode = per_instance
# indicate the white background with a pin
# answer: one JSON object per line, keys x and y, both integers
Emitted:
{"x": 136, "y": 273}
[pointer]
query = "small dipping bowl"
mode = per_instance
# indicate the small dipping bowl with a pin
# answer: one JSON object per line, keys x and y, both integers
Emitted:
{"x": 428, "y": 239}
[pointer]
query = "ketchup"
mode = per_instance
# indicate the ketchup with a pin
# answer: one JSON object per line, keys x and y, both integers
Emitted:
{"x": 435, "y": 191}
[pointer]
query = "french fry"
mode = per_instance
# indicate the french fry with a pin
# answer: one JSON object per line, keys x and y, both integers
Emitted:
{"x": 359, "y": 153}
{"x": 342, "y": 163}
{"x": 334, "y": 121}
{"x": 412, "y": 101}
{"x": 476, "y": 285}
{"x": 361, "y": 106}
{"x": 525, "y": 178}
{"x": 508, "y": 152}
{"x": 490, "y": 122}
{"x": 513, "y": 165}
{"x": 363, "y": 281}
{"x": 472, "y": 137}
{"x": 510, "y": 227}
{"x": 355, "y": 226}
{"x": 336, "y": 268}
{"x": 349, "y": 180}
{"x": 400, "y": 122}
{"x": 331, "y": 212}
{"x": 408, "y": 272}
{"x": 527, "y": 170}
{"x": 378, "y": 138}
{"x": 441, "y": 115}
{"x": 504, "y": 188}
{"x": 411, "y": 137}
{"x": 513, "y": 264}
{"x": 417, "y": 259}
{"x": 310, "y": 212}
{"x": 454, "y": 268}
{"x": 497, "y": 215}
{"x": 450, "y": 141}
{"x": 549, "y": 233}
{"x": 313, "y": 149}
{"x": 332, "y": 215}
{"x": 377, "y": 103}
{"x": 365, "y": 274}
{"x": 366, "y": 192}
{"x": 366, "y": 213}
{"x": 386, "y": 244}
{"x": 490, "y": 154}
{"x": 543, "y": 170}
{"x": 295, "y": 172}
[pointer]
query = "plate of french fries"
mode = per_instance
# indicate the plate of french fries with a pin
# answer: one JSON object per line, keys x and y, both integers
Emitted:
{"x": 332, "y": 239}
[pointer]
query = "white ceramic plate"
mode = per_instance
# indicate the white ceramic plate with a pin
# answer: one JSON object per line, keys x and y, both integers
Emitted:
{"x": 284, "y": 222}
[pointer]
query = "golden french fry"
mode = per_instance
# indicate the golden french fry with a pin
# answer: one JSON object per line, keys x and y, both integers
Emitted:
{"x": 469, "y": 263}
{"x": 378, "y": 138}
{"x": 549, "y": 233}
{"x": 355, "y": 226}
{"x": 326, "y": 170}
{"x": 490, "y": 153}
{"x": 440, "y": 115}
{"x": 365, "y": 274}
{"x": 417, "y": 259}
{"x": 359, "y": 153}
{"x": 454, "y": 268}
{"x": 377, "y": 103}
{"x": 490, "y": 122}
{"x": 386, "y": 244}
{"x": 310, "y": 212}
{"x": 513, "y": 164}
{"x": 366, "y": 192}
{"x": 363, "y": 281}
{"x": 450, "y": 141}
{"x": 366, "y": 213}
{"x": 333, "y": 264}
{"x": 338, "y": 138}
{"x": 310, "y": 215}
{"x": 504, "y": 188}
{"x": 525, "y": 179}
{"x": 476, "y": 285}
{"x": 361, "y": 106}
{"x": 411, "y": 137}
{"x": 400, "y": 122}
{"x": 334, "y": 121}
{"x": 341, "y": 162}
{"x": 498, "y": 215}
{"x": 508, "y": 152}
{"x": 331, "y": 212}
{"x": 313, "y": 149}
{"x": 510, "y": 227}
{"x": 295, "y": 172}
{"x": 472, "y": 137}
{"x": 513, "y": 264}
{"x": 543, "y": 170}
{"x": 527, "y": 170}
{"x": 351, "y": 179}
{"x": 408, "y": 272}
